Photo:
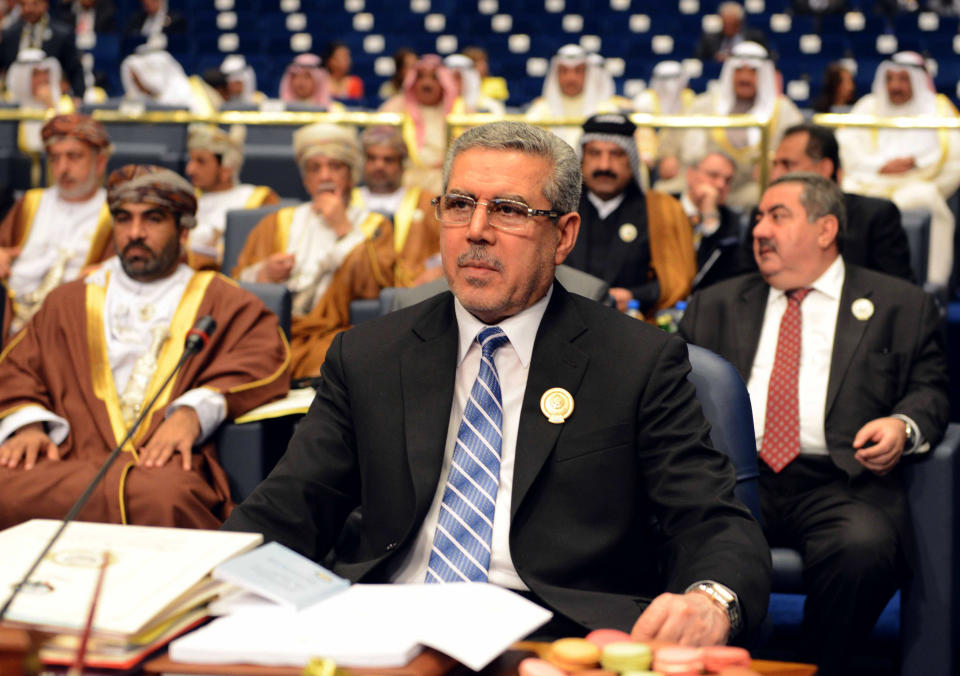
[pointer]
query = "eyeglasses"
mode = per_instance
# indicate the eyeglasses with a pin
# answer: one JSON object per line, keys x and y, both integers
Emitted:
{"x": 454, "y": 211}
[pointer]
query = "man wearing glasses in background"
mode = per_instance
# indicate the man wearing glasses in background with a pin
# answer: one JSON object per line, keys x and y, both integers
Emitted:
{"x": 514, "y": 433}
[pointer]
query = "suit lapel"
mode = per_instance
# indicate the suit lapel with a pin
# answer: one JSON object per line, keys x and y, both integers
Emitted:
{"x": 750, "y": 308}
{"x": 556, "y": 362}
{"x": 848, "y": 333}
{"x": 427, "y": 372}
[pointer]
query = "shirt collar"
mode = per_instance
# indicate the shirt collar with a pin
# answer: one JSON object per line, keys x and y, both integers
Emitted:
{"x": 688, "y": 206}
{"x": 521, "y": 328}
{"x": 605, "y": 207}
{"x": 830, "y": 283}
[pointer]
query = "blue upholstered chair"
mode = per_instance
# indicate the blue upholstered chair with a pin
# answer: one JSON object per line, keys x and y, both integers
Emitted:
{"x": 248, "y": 451}
{"x": 930, "y": 601}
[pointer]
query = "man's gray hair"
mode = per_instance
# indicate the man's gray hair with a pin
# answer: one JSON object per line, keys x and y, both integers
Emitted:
{"x": 561, "y": 187}
{"x": 819, "y": 196}
{"x": 695, "y": 163}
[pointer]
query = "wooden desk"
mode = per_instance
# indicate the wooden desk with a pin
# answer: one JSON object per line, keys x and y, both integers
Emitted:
{"x": 429, "y": 663}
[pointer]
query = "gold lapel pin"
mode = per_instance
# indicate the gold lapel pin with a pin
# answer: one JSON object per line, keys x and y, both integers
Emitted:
{"x": 628, "y": 232}
{"x": 862, "y": 309}
{"x": 557, "y": 404}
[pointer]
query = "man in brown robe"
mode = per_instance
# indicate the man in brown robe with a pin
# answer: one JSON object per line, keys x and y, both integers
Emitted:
{"x": 302, "y": 247}
{"x": 76, "y": 377}
{"x": 371, "y": 266}
{"x": 52, "y": 234}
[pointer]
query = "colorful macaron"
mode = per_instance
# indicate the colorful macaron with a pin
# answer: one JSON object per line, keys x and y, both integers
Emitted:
{"x": 626, "y": 656}
{"x": 574, "y": 654}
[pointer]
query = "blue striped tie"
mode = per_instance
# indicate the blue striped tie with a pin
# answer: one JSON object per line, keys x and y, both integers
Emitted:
{"x": 461, "y": 545}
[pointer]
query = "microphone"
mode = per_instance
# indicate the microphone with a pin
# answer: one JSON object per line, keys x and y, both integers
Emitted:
{"x": 197, "y": 339}
{"x": 199, "y": 336}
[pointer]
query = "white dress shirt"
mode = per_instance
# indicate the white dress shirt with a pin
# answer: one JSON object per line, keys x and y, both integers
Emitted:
{"x": 513, "y": 364}
{"x": 819, "y": 311}
{"x": 605, "y": 207}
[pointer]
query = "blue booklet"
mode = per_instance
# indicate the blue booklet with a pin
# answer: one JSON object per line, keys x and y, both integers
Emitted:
{"x": 280, "y": 574}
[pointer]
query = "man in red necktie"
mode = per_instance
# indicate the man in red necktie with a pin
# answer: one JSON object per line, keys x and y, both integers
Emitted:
{"x": 846, "y": 373}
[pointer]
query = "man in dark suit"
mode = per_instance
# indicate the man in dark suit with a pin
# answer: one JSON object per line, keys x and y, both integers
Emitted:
{"x": 599, "y": 506}
{"x": 717, "y": 45}
{"x": 35, "y": 29}
{"x": 638, "y": 242}
{"x": 846, "y": 373}
{"x": 716, "y": 228}
{"x": 155, "y": 18}
{"x": 874, "y": 237}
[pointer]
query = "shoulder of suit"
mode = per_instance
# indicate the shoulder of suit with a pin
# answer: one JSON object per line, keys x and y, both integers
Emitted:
{"x": 729, "y": 289}
{"x": 882, "y": 283}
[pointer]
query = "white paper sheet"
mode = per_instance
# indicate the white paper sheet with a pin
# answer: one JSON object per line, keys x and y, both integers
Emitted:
{"x": 371, "y": 626}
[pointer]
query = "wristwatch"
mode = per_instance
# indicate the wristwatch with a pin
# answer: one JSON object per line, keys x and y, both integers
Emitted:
{"x": 911, "y": 435}
{"x": 726, "y": 599}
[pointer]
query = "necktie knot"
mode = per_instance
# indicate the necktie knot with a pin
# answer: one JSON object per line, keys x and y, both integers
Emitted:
{"x": 796, "y": 296}
{"x": 491, "y": 339}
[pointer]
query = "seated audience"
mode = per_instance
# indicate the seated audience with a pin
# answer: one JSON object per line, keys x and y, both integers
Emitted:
{"x": 716, "y": 228}
{"x": 847, "y": 375}
{"x": 838, "y": 92}
{"x": 90, "y": 18}
{"x": 155, "y": 18}
{"x": 304, "y": 81}
{"x": 718, "y": 45}
{"x": 241, "y": 80}
{"x": 661, "y": 547}
{"x": 403, "y": 60}
{"x": 574, "y": 88}
{"x": 429, "y": 94}
{"x": 36, "y": 30}
{"x": 468, "y": 81}
{"x": 491, "y": 86}
{"x": 216, "y": 158}
{"x": 667, "y": 95}
{"x": 639, "y": 242}
{"x": 152, "y": 75}
{"x": 337, "y": 61}
{"x": 52, "y": 234}
{"x": 748, "y": 85}
{"x": 916, "y": 168}
{"x": 303, "y": 246}
{"x": 80, "y": 372}
{"x": 874, "y": 236}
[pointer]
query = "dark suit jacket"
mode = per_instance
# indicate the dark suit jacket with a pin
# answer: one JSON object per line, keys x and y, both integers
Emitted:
{"x": 892, "y": 362}
{"x": 175, "y": 23}
{"x": 60, "y": 43}
{"x": 711, "y": 43}
{"x": 874, "y": 239}
{"x": 104, "y": 18}
{"x": 725, "y": 242}
{"x": 601, "y": 251}
{"x": 622, "y": 501}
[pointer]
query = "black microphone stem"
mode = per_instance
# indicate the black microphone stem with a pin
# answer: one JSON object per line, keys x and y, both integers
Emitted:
{"x": 85, "y": 496}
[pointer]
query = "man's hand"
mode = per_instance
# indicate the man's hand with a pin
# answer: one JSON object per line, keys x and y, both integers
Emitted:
{"x": 331, "y": 206}
{"x": 705, "y": 197}
{"x": 28, "y": 443}
{"x": 691, "y": 619}
{"x": 7, "y": 256}
{"x": 277, "y": 268}
{"x": 622, "y": 297}
{"x": 176, "y": 434}
{"x": 889, "y": 435}
{"x": 898, "y": 165}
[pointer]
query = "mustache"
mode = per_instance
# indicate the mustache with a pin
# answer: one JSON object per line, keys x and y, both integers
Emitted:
{"x": 327, "y": 186}
{"x": 137, "y": 244}
{"x": 765, "y": 243}
{"x": 479, "y": 255}
{"x": 601, "y": 173}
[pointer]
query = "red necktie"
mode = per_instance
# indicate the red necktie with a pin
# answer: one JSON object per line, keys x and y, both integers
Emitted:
{"x": 781, "y": 430}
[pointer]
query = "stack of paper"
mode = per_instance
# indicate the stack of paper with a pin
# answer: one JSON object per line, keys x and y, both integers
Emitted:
{"x": 155, "y": 582}
{"x": 371, "y": 626}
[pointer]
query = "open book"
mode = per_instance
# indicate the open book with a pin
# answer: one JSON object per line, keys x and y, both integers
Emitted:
{"x": 154, "y": 577}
